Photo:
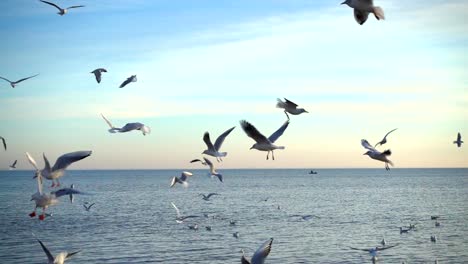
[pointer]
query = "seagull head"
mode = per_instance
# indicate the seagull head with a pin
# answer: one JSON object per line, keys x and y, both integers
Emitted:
{"x": 254, "y": 146}
{"x": 347, "y": 2}
{"x": 367, "y": 153}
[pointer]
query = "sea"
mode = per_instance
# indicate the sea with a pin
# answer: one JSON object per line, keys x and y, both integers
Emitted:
{"x": 133, "y": 221}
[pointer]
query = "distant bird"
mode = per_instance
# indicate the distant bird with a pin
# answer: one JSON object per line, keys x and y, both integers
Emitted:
{"x": 62, "y": 11}
{"x": 13, "y": 84}
{"x": 213, "y": 171}
{"x": 207, "y": 197}
{"x": 404, "y": 230}
{"x": 260, "y": 255}
{"x": 208, "y": 228}
{"x": 98, "y": 73}
{"x": 235, "y": 234}
{"x": 130, "y": 79}
{"x": 193, "y": 227}
{"x": 62, "y": 163}
{"x": 459, "y": 141}
{"x": 198, "y": 160}
{"x": 128, "y": 127}
{"x": 180, "y": 218}
{"x": 433, "y": 238}
{"x": 232, "y": 223}
{"x": 434, "y": 217}
{"x": 362, "y": 8}
{"x": 182, "y": 179}
{"x": 213, "y": 150}
{"x": 59, "y": 259}
{"x": 263, "y": 143}
{"x": 305, "y": 217}
{"x": 374, "y": 251}
{"x": 289, "y": 107}
{"x": 377, "y": 155}
{"x": 87, "y": 208}
{"x": 4, "y": 143}
{"x": 383, "y": 242}
{"x": 437, "y": 223}
{"x": 13, "y": 166}
{"x": 384, "y": 140}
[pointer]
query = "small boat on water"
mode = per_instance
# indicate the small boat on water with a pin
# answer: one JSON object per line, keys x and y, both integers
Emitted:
{"x": 312, "y": 172}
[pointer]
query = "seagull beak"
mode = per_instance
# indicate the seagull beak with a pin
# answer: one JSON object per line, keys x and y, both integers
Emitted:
{"x": 306, "y": 111}
{"x": 251, "y": 148}
{"x": 365, "y": 153}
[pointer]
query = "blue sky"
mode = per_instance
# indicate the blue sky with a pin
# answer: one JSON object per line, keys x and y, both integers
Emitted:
{"x": 205, "y": 65}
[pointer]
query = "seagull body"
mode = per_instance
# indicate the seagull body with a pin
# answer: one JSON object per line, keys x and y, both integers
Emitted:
{"x": 213, "y": 150}
{"x": 128, "y": 127}
{"x": 459, "y": 141}
{"x": 207, "y": 197}
{"x": 87, "y": 208}
{"x": 98, "y": 74}
{"x": 263, "y": 143}
{"x": 13, "y": 166}
{"x": 232, "y": 222}
{"x": 13, "y": 84}
{"x": 193, "y": 227}
{"x": 235, "y": 234}
{"x": 182, "y": 179}
{"x": 260, "y": 255}
{"x": 290, "y": 107}
{"x": 130, "y": 79}
{"x": 362, "y": 9}
{"x": 179, "y": 217}
{"x": 377, "y": 155}
{"x": 59, "y": 259}
{"x": 384, "y": 140}
{"x": 62, "y": 11}
{"x": 4, "y": 143}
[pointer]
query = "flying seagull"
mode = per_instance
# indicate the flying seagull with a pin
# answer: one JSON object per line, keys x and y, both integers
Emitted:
{"x": 87, "y": 208}
{"x": 459, "y": 141}
{"x": 130, "y": 79}
{"x": 179, "y": 217}
{"x": 44, "y": 200}
{"x": 384, "y": 140}
{"x": 373, "y": 251}
{"x": 98, "y": 73}
{"x": 213, "y": 171}
{"x": 263, "y": 143}
{"x": 59, "y": 259}
{"x": 182, "y": 179}
{"x": 377, "y": 155}
{"x": 362, "y": 8}
{"x": 198, "y": 160}
{"x": 290, "y": 107}
{"x": 213, "y": 150}
{"x": 58, "y": 170}
{"x": 260, "y": 255}
{"x": 207, "y": 197}
{"x": 62, "y": 11}
{"x": 13, "y": 84}
{"x": 128, "y": 127}
{"x": 4, "y": 143}
{"x": 13, "y": 166}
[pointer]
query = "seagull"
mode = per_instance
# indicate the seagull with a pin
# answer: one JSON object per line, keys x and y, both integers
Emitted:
{"x": 87, "y": 208}
{"x": 373, "y": 251}
{"x": 13, "y": 166}
{"x": 263, "y": 143}
{"x": 58, "y": 170}
{"x": 208, "y": 228}
{"x": 458, "y": 141}
{"x": 260, "y": 255}
{"x": 207, "y": 197}
{"x": 434, "y": 217}
{"x": 182, "y": 179}
{"x": 44, "y": 200}
{"x": 59, "y": 259}
{"x": 198, "y": 160}
{"x": 98, "y": 73}
{"x": 383, "y": 242}
{"x": 384, "y": 140}
{"x": 179, "y": 217}
{"x": 213, "y": 171}
{"x": 213, "y": 150}
{"x": 128, "y": 127}
{"x": 305, "y": 217}
{"x": 193, "y": 227}
{"x": 130, "y": 79}
{"x": 62, "y": 11}
{"x": 377, "y": 155}
{"x": 4, "y": 143}
{"x": 433, "y": 238}
{"x": 72, "y": 198}
{"x": 13, "y": 84}
{"x": 290, "y": 107}
{"x": 362, "y": 8}
{"x": 235, "y": 234}
{"x": 232, "y": 222}
{"x": 404, "y": 230}
{"x": 437, "y": 223}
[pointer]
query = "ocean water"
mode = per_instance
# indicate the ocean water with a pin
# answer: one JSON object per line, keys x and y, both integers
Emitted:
{"x": 134, "y": 222}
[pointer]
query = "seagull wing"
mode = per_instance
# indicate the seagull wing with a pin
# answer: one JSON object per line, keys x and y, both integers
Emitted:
{"x": 211, "y": 194}
{"x": 458, "y": 138}
{"x": 209, "y": 145}
{"x": 78, "y": 6}
{"x": 210, "y": 164}
{"x": 177, "y": 209}
{"x": 262, "y": 252}
{"x": 197, "y": 160}
{"x": 97, "y": 74}
{"x": 129, "y": 80}
{"x": 67, "y": 159}
{"x": 89, "y": 207}
{"x": 361, "y": 249}
{"x": 253, "y": 133}
{"x": 383, "y": 248}
{"x": 366, "y": 145}
{"x": 52, "y": 4}
{"x": 71, "y": 254}
{"x": 184, "y": 175}
{"x": 32, "y": 161}
{"x": 107, "y": 121}
{"x": 66, "y": 191}
{"x": 290, "y": 104}
{"x": 24, "y": 79}
{"x": 390, "y": 132}
{"x": 46, "y": 251}
{"x": 220, "y": 139}
{"x": 244, "y": 260}
{"x": 4, "y": 143}
{"x": 14, "y": 163}
{"x": 278, "y": 132}
{"x": 6, "y": 79}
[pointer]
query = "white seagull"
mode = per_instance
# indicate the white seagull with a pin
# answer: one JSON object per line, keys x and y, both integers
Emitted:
{"x": 58, "y": 170}
{"x": 374, "y": 251}
{"x": 13, "y": 84}
{"x": 362, "y": 8}
{"x": 62, "y": 11}
{"x": 377, "y": 155}
{"x": 207, "y": 197}
{"x": 260, "y": 255}
{"x": 128, "y": 127}
{"x": 179, "y": 217}
{"x": 459, "y": 141}
{"x": 263, "y": 143}
{"x": 182, "y": 179}
{"x": 4, "y": 143}
{"x": 13, "y": 166}
{"x": 98, "y": 73}
{"x": 213, "y": 171}
{"x": 130, "y": 79}
{"x": 59, "y": 259}
{"x": 213, "y": 150}
{"x": 290, "y": 107}
{"x": 384, "y": 140}
{"x": 42, "y": 199}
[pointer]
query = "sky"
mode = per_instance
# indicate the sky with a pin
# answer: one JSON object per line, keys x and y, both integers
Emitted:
{"x": 204, "y": 65}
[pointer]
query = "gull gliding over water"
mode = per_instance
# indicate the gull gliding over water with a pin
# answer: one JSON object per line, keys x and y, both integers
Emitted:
{"x": 98, "y": 73}
{"x": 128, "y": 127}
{"x": 179, "y": 217}
{"x": 130, "y": 79}
{"x": 384, "y": 140}
{"x": 459, "y": 141}
{"x": 182, "y": 179}
{"x": 362, "y": 8}
{"x": 207, "y": 197}
{"x": 213, "y": 150}
{"x": 290, "y": 107}
{"x": 13, "y": 84}
{"x": 213, "y": 171}
{"x": 59, "y": 259}
{"x": 260, "y": 255}
{"x": 4, "y": 143}
{"x": 373, "y": 251}
{"x": 87, "y": 208}
{"x": 62, "y": 11}
{"x": 263, "y": 143}
{"x": 377, "y": 155}
{"x": 13, "y": 166}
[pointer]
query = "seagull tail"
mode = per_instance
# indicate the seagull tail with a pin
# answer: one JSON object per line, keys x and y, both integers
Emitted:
{"x": 222, "y": 154}
{"x": 280, "y": 104}
{"x": 280, "y": 147}
{"x": 113, "y": 130}
{"x": 379, "y": 13}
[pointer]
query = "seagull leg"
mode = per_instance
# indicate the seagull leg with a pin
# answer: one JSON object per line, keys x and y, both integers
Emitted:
{"x": 286, "y": 114}
{"x": 33, "y": 214}
{"x": 268, "y": 154}
{"x": 42, "y": 216}
{"x": 273, "y": 154}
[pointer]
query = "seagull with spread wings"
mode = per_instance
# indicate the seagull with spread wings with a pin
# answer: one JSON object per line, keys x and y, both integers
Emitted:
{"x": 213, "y": 150}
{"x": 14, "y": 83}
{"x": 260, "y": 255}
{"x": 180, "y": 218}
{"x": 62, "y": 11}
{"x": 128, "y": 127}
{"x": 4, "y": 143}
{"x": 362, "y": 9}
{"x": 130, "y": 79}
{"x": 88, "y": 207}
{"x": 384, "y": 140}
{"x": 263, "y": 143}
{"x": 207, "y": 197}
{"x": 59, "y": 259}
{"x": 98, "y": 74}
{"x": 374, "y": 251}
{"x": 459, "y": 141}
{"x": 182, "y": 179}
{"x": 13, "y": 166}
{"x": 290, "y": 107}
{"x": 377, "y": 155}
